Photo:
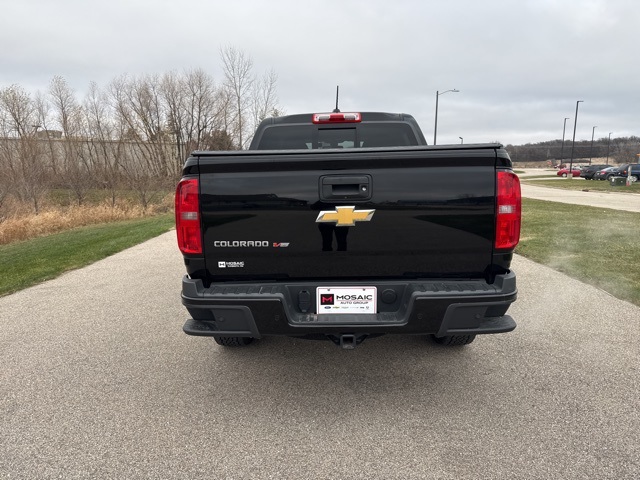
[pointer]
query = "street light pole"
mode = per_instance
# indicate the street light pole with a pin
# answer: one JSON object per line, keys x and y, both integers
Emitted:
{"x": 562, "y": 149}
{"x": 435, "y": 128}
{"x": 608, "y": 145}
{"x": 591, "y": 151}
{"x": 573, "y": 144}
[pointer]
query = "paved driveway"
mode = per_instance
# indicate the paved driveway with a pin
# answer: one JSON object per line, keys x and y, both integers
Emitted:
{"x": 98, "y": 381}
{"x": 617, "y": 201}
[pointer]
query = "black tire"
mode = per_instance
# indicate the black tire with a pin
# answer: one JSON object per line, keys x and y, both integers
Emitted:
{"x": 233, "y": 341}
{"x": 634, "y": 178}
{"x": 454, "y": 340}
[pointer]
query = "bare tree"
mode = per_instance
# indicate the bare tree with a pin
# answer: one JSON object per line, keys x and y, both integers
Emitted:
{"x": 202, "y": 114}
{"x": 33, "y": 181}
{"x": 6, "y": 156}
{"x": 174, "y": 97}
{"x": 219, "y": 140}
{"x": 101, "y": 146}
{"x": 192, "y": 111}
{"x": 65, "y": 106}
{"x": 265, "y": 98}
{"x": 225, "y": 108}
{"x": 5, "y": 159}
{"x": 239, "y": 80}
{"x": 138, "y": 104}
{"x": 144, "y": 150}
{"x": 45, "y": 133}
{"x": 626, "y": 149}
{"x": 138, "y": 130}
{"x": 18, "y": 109}
{"x": 77, "y": 171}
{"x": 4, "y": 192}
{"x": 26, "y": 168}
{"x": 145, "y": 183}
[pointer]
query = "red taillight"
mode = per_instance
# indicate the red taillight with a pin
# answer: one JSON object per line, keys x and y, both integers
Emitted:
{"x": 508, "y": 210}
{"x": 336, "y": 118}
{"x": 188, "y": 217}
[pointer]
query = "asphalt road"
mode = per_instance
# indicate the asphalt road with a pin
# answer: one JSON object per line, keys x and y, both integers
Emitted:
{"x": 98, "y": 381}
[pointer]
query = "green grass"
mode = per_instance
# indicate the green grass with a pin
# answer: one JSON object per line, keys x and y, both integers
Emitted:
{"x": 595, "y": 245}
{"x": 33, "y": 261}
{"x": 580, "y": 184}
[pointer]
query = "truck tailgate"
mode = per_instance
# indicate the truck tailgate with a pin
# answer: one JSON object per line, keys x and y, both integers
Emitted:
{"x": 417, "y": 212}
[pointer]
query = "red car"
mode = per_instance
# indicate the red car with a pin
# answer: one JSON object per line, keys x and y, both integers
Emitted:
{"x": 565, "y": 172}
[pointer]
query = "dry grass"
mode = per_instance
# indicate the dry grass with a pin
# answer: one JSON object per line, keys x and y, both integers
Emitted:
{"x": 22, "y": 225}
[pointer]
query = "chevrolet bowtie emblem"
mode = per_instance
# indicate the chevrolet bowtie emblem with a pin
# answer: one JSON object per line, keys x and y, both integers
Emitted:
{"x": 345, "y": 216}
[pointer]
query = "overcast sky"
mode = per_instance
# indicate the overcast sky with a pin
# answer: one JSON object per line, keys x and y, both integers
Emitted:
{"x": 519, "y": 65}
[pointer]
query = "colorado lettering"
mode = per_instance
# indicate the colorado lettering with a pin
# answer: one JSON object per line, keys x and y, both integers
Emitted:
{"x": 242, "y": 243}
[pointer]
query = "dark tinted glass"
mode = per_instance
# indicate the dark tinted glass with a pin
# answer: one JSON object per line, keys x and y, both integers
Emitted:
{"x": 386, "y": 135}
{"x": 288, "y": 137}
{"x": 336, "y": 138}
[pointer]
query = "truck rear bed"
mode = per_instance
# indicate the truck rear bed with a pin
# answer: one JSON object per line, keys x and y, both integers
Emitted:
{"x": 433, "y": 213}
{"x": 351, "y": 243}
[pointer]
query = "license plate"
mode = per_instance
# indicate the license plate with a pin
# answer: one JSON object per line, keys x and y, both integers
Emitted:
{"x": 346, "y": 300}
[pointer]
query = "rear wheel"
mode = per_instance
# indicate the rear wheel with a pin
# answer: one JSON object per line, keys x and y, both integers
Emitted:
{"x": 564, "y": 175}
{"x": 454, "y": 340}
{"x": 233, "y": 341}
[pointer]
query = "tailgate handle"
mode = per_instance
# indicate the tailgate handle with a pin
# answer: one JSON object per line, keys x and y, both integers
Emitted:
{"x": 345, "y": 187}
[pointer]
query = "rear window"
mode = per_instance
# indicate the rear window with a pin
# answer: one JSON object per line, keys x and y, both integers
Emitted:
{"x": 287, "y": 137}
{"x": 293, "y": 137}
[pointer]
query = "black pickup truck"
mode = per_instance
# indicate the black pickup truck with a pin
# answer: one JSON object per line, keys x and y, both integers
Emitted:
{"x": 344, "y": 226}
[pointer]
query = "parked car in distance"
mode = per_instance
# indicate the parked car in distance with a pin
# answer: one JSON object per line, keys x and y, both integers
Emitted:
{"x": 605, "y": 173}
{"x": 623, "y": 171}
{"x": 589, "y": 171}
{"x": 565, "y": 172}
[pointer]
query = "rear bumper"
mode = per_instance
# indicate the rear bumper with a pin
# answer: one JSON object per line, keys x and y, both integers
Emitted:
{"x": 439, "y": 307}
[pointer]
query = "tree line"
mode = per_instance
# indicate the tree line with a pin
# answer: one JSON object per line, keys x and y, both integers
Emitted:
{"x": 134, "y": 133}
{"x": 618, "y": 150}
